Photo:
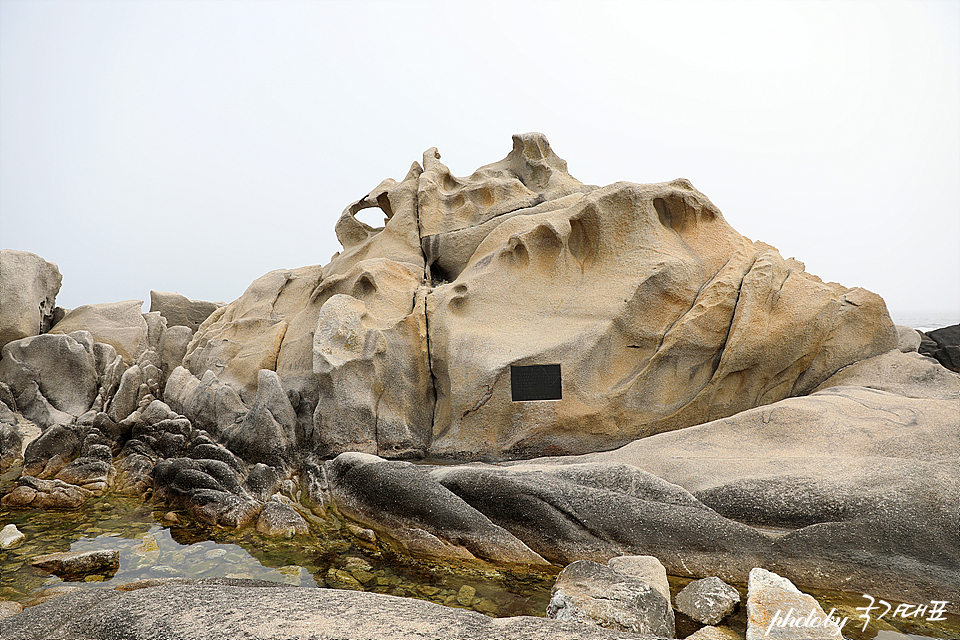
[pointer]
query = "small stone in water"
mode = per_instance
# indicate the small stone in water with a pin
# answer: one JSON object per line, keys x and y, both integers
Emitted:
{"x": 215, "y": 553}
{"x": 11, "y": 537}
{"x": 93, "y": 578}
{"x": 486, "y": 605}
{"x": 171, "y": 518}
{"x": 465, "y": 595}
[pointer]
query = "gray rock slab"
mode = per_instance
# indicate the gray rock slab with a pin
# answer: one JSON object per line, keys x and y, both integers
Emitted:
{"x": 209, "y": 612}
{"x": 593, "y": 593}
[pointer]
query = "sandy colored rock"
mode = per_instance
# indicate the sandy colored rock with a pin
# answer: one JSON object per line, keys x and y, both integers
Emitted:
{"x": 180, "y": 311}
{"x": 777, "y": 610}
{"x": 8, "y": 608}
{"x": 28, "y": 291}
{"x": 119, "y": 324}
{"x": 659, "y": 313}
{"x": 715, "y": 633}
{"x": 280, "y": 519}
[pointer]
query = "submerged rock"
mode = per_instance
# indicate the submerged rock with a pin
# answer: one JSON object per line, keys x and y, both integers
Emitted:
{"x": 73, "y": 565}
{"x": 280, "y": 519}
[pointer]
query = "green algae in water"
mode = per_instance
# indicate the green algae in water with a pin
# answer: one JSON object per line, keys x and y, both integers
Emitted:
{"x": 150, "y": 548}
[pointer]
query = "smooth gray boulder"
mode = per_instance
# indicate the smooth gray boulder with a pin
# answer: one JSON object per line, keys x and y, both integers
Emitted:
{"x": 418, "y": 513}
{"x": 707, "y": 601}
{"x": 28, "y": 291}
{"x": 180, "y": 311}
{"x": 54, "y": 377}
{"x": 908, "y": 339}
{"x": 593, "y": 593}
{"x": 279, "y": 612}
{"x": 596, "y": 512}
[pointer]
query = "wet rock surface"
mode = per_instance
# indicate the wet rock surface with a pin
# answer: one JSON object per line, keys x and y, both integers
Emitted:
{"x": 69, "y": 565}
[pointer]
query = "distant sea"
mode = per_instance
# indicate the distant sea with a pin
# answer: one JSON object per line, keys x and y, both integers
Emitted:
{"x": 924, "y": 322}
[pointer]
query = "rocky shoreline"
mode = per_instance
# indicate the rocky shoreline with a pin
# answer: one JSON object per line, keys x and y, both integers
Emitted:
{"x": 720, "y": 409}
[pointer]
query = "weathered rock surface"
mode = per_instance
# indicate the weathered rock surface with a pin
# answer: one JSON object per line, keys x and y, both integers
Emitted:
{"x": 859, "y": 476}
{"x": 53, "y": 377}
{"x": 908, "y": 339}
{"x": 280, "y": 519}
{"x": 715, "y": 633}
{"x": 71, "y": 564}
{"x": 772, "y": 600}
{"x": 31, "y": 493}
{"x": 119, "y": 324}
{"x": 708, "y": 601}
{"x": 423, "y": 517}
{"x": 273, "y": 613}
{"x": 11, "y": 438}
{"x": 8, "y": 608}
{"x": 209, "y": 489}
{"x": 179, "y": 311}
{"x": 661, "y": 315}
{"x": 28, "y": 291}
{"x": 267, "y": 432}
{"x": 593, "y": 593}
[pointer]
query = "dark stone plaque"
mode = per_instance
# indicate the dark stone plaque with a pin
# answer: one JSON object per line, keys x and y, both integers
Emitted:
{"x": 535, "y": 382}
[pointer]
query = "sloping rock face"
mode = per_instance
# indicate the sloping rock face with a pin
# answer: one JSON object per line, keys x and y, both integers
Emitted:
{"x": 660, "y": 315}
{"x": 28, "y": 292}
{"x": 119, "y": 324}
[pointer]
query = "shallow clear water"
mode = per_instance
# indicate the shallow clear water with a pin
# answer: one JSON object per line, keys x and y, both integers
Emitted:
{"x": 151, "y": 547}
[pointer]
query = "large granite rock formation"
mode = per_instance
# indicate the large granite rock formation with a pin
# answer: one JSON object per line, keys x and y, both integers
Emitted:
{"x": 743, "y": 393}
{"x": 28, "y": 292}
{"x": 660, "y": 315}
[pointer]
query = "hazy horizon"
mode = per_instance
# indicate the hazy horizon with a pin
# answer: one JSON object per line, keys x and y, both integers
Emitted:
{"x": 195, "y": 146}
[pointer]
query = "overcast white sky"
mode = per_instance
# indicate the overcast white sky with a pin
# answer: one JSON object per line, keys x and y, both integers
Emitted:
{"x": 192, "y": 146}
